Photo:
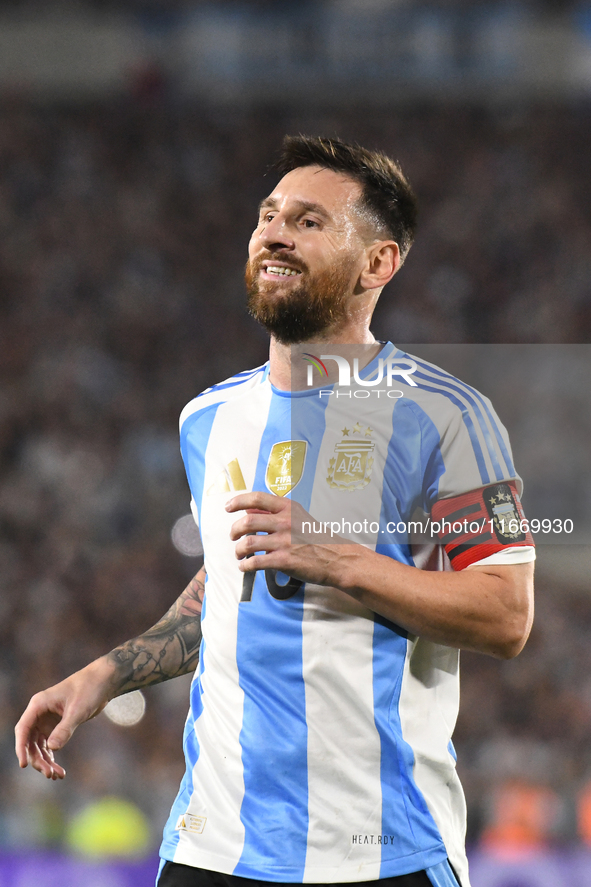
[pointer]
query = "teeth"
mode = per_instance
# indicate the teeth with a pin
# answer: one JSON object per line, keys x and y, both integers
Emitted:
{"x": 285, "y": 272}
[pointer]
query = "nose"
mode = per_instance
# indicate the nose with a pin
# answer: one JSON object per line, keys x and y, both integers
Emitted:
{"x": 275, "y": 234}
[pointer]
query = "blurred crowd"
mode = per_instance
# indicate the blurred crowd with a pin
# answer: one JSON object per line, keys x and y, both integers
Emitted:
{"x": 153, "y": 7}
{"x": 123, "y": 232}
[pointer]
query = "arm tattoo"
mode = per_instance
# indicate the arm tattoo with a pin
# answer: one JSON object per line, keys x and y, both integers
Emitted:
{"x": 168, "y": 649}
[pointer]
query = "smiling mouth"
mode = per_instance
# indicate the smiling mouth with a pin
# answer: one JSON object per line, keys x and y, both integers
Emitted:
{"x": 279, "y": 271}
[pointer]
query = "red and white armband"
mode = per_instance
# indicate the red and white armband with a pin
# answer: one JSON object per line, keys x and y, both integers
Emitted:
{"x": 483, "y": 526}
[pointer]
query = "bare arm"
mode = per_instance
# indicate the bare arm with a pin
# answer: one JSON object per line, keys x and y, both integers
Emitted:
{"x": 169, "y": 649}
{"x": 488, "y": 609}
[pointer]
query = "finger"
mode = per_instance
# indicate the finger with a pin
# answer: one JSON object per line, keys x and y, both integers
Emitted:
{"x": 62, "y": 733}
{"x": 248, "y": 545}
{"x": 57, "y": 771}
{"x": 41, "y": 758}
{"x": 46, "y": 758}
{"x": 264, "y": 501}
{"x": 37, "y": 760}
{"x": 262, "y": 522}
{"x": 253, "y": 563}
{"x": 272, "y": 560}
{"x": 24, "y": 732}
{"x": 21, "y": 750}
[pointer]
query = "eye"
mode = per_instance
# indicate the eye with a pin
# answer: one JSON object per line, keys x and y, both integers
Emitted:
{"x": 310, "y": 223}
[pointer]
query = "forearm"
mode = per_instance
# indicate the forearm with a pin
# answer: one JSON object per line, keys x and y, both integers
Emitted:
{"x": 488, "y": 610}
{"x": 167, "y": 650}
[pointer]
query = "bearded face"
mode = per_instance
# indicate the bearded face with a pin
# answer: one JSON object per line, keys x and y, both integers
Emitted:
{"x": 297, "y": 311}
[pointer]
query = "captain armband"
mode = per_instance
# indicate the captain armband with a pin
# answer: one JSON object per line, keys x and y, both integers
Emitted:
{"x": 480, "y": 523}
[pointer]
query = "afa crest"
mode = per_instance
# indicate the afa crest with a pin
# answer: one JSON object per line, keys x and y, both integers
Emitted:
{"x": 504, "y": 512}
{"x": 350, "y": 467}
{"x": 285, "y": 466}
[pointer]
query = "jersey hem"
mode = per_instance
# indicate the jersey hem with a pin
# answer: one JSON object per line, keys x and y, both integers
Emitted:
{"x": 351, "y": 873}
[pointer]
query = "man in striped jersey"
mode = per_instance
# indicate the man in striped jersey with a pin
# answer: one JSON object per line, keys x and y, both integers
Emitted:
{"x": 318, "y": 742}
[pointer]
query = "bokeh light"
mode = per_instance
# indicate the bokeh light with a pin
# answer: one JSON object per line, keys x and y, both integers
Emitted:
{"x": 127, "y": 710}
{"x": 186, "y": 537}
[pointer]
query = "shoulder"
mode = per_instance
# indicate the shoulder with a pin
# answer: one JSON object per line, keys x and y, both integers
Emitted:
{"x": 441, "y": 392}
{"x": 450, "y": 406}
{"x": 234, "y": 386}
{"x": 462, "y": 425}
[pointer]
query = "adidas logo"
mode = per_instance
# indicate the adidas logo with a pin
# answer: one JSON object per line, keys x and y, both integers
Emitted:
{"x": 229, "y": 480}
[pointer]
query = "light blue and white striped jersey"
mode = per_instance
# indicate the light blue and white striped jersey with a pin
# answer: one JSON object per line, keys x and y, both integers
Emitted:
{"x": 318, "y": 742}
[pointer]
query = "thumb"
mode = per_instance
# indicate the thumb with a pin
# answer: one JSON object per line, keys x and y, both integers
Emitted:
{"x": 61, "y": 734}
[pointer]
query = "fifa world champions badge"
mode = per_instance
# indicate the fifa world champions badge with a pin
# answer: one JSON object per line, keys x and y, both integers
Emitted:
{"x": 350, "y": 467}
{"x": 285, "y": 466}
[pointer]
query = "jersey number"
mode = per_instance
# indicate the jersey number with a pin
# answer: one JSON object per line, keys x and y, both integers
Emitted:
{"x": 279, "y": 592}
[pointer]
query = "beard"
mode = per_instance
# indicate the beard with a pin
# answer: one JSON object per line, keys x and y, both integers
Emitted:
{"x": 314, "y": 306}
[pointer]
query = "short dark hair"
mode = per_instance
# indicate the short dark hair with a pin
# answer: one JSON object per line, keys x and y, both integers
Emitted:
{"x": 386, "y": 197}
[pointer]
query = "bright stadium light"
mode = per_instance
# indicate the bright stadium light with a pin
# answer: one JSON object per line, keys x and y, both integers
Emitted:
{"x": 126, "y": 710}
{"x": 186, "y": 537}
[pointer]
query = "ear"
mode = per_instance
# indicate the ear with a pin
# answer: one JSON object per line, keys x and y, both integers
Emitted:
{"x": 382, "y": 263}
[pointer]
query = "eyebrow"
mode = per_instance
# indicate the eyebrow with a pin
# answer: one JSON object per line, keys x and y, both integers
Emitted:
{"x": 305, "y": 206}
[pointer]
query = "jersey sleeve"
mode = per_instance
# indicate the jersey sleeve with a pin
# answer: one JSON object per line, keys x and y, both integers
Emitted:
{"x": 472, "y": 489}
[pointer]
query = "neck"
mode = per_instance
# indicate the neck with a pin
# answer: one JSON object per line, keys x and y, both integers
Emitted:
{"x": 288, "y": 375}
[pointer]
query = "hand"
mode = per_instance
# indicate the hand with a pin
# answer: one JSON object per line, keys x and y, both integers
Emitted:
{"x": 51, "y": 717}
{"x": 288, "y": 548}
